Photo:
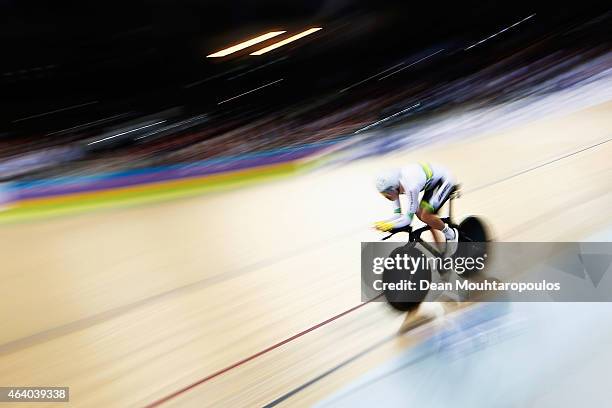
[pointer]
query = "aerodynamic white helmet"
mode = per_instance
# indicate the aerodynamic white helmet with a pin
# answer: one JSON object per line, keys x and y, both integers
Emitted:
{"x": 388, "y": 180}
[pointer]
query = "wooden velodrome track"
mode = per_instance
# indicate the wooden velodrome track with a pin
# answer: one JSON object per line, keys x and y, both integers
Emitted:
{"x": 244, "y": 298}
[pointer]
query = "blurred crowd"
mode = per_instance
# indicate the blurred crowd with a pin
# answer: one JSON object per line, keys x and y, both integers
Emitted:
{"x": 174, "y": 137}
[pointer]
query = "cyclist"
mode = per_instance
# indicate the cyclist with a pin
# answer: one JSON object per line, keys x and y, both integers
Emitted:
{"x": 436, "y": 184}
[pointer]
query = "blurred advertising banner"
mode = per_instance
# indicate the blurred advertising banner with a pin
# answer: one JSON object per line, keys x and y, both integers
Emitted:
{"x": 6, "y": 197}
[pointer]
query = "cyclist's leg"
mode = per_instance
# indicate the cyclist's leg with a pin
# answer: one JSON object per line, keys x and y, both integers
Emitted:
{"x": 431, "y": 203}
{"x": 426, "y": 211}
{"x": 440, "y": 195}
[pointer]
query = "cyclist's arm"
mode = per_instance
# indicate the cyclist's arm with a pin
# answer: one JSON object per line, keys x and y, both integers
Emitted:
{"x": 412, "y": 187}
{"x": 397, "y": 212}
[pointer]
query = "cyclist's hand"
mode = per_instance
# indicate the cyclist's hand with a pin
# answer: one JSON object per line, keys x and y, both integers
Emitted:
{"x": 383, "y": 226}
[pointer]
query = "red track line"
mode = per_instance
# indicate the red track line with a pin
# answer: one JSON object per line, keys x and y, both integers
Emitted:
{"x": 252, "y": 357}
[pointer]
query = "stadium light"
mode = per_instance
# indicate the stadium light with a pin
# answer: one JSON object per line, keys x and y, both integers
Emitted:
{"x": 286, "y": 41}
{"x": 245, "y": 44}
